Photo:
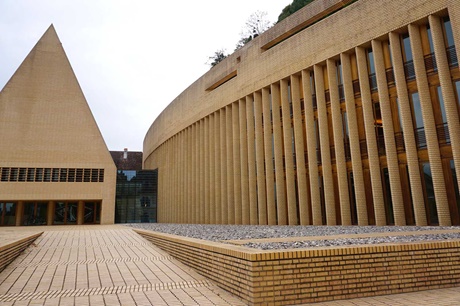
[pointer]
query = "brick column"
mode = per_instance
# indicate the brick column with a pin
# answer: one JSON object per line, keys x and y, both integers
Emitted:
{"x": 50, "y": 213}
{"x": 269, "y": 170}
{"x": 447, "y": 89}
{"x": 80, "y": 212}
{"x": 328, "y": 182}
{"x": 434, "y": 153}
{"x": 236, "y": 162}
{"x": 202, "y": 168}
{"x": 356, "y": 162}
{"x": 212, "y": 170}
{"x": 253, "y": 213}
{"x": 389, "y": 135}
{"x": 339, "y": 146}
{"x": 230, "y": 167}
{"x": 372, "y": 151}
{"x": 278, "y": 144}
{"x": 311, "y": 149}
{"x": 299, "y": 152}
{"x": 196, "y": 172}
{"x": 288, "y": 154}
{"x": 19, "y": 213}
{"x": 217, "y": 169}
{"x": 223, "y": 166}
{"x": 408, "y": 130}
{"x": 260, "y": 159}
{"x": 244, "y": 176}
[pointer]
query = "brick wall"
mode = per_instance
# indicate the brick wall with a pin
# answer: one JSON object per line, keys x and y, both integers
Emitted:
{"x": 287, "y": 277}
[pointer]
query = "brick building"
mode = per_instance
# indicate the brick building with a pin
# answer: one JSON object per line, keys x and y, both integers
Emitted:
{"x": 347, "y": 112}
{"x": 55, "y": 167}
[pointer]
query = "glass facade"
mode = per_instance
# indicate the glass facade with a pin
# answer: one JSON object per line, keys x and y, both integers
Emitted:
{"x": 136, "y": 196}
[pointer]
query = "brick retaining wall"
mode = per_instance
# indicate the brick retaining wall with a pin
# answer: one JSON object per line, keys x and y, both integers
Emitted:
{"x": 287, "y": 277}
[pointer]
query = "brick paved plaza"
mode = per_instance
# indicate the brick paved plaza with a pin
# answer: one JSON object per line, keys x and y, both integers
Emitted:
{"x": 112, "y": 265}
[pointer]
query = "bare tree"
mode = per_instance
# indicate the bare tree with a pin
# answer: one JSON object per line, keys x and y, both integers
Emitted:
{"x": 255, "y": 25}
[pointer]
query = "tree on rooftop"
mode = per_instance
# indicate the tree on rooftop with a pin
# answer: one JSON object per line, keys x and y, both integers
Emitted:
{"x": 218, "y": 57}
{"x": 292, "y": 8}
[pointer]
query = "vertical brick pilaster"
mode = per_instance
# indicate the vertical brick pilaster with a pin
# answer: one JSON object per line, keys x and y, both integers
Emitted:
{"x": 358, "y": 178}
{"x": 328, "y": 183}
{"x": 230, "y": 166}
{"x": 269, "y": 170}
{"x": 434, "y": 153}
{"x": 299, "y": 152}
{"x": 408, "y": 131}
{"x": 447, "y": 89}
{"x": 389, "y": 135}
{"x": 217, "y": 171}
{"x": 281, "y": 208}
{"x": 253, "y": 214}
{"x": 223, "y": 166}
{"x": 207, "y": 182}
{"x": 201, "y": 204}
{"x": 212, "y": 170}
{"x": 372, "y": 151}
{"x": 311, "y": 149}
{"x": 260, "y": 159}
{"x": 244, "y": 175}
{"x": 288, "y": 154}
{"x": 236, "y": 162}
{"x": 337, "y": 125}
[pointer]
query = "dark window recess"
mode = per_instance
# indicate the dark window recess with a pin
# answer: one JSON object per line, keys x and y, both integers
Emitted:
{"x": 356, "y": 89}
{"x": 5, "y": 174}
{"x": 390, "y": 76}
{"x": 409, "y": 70}
{"x": 430, "y": 64}
{"x": 399, "y": 139}
{"x": 8, "y": 174}
{"x": 443, "y": 134}
{"x": 87, "y": 175}
{"x": 31, "y": 174}
{"x": 373, "y": 82}
{"x": 420, "y": 138}
{"x": 341, "y": 93}
{"x": 452, "y": 56}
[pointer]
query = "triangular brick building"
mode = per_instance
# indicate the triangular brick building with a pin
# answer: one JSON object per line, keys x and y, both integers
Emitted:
{"x": 55, "y": 166}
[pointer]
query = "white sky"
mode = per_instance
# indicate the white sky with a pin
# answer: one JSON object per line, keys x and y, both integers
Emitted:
{"x": 132, "y": 58}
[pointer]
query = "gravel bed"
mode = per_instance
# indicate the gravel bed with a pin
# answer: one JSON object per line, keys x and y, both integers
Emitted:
{"x": 238, "y": 232}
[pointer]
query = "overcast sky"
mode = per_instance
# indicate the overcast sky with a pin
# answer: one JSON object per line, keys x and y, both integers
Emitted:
{"x": 132, "y": 58}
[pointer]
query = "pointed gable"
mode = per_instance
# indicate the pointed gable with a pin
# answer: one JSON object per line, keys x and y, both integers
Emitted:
{"x": 44, "y": 116}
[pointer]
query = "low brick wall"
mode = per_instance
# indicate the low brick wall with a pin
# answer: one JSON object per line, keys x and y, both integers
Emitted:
{"x": 287, "y": 277}
{"x": 9, "y": 251}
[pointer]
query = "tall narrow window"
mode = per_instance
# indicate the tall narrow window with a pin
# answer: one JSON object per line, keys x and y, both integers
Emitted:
{"x": 417, "y": 108}
{"x": 449, "y": 34}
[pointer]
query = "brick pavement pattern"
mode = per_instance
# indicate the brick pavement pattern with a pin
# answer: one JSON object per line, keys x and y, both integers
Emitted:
{"x": 103, "y": 265}
{"x": 112, "y": 265}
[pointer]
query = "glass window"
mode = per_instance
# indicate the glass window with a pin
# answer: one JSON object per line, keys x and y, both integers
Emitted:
{"x": 339, "y": 72}
{"x": 430, "y": 39}
{"x": 370, "y": 60}
{"x": 455, "y": 181}
{"x": 457, "y": 87}
{"x": 441, "y": 105}
{"x": 407, "y": 48}
{"x": 7, "y": 213}
{"x": 417, "y": 108}
{"x": 431, "y": 200}
{"x": 449, "y": 35}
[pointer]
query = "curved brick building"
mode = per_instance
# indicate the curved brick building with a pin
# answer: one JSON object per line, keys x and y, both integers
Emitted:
{"x": 346, "y": 113}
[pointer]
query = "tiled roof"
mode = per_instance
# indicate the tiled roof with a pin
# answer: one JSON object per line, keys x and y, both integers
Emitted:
{"x": 132, "y": 162}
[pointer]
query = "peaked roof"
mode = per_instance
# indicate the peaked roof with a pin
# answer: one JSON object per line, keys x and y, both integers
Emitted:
{"x": 44, "y": 116}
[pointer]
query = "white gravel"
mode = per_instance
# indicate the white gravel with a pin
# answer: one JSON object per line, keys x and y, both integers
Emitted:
{"x": 238, "y": 232}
